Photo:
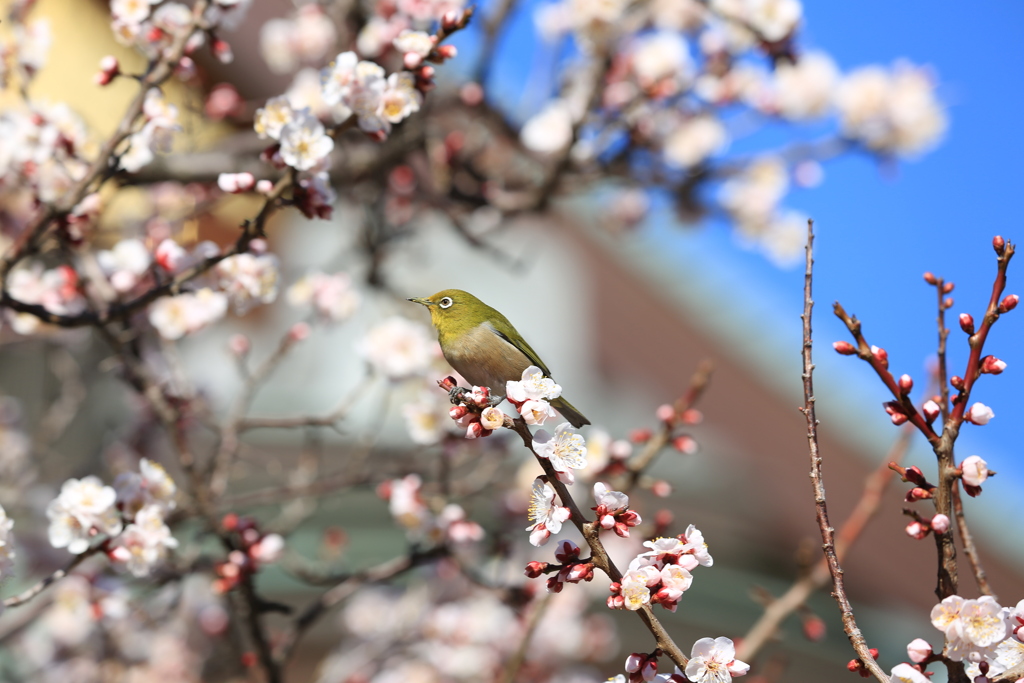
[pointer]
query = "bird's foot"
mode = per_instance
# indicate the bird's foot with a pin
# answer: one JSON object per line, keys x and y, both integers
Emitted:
{"x": 458, "y": 395}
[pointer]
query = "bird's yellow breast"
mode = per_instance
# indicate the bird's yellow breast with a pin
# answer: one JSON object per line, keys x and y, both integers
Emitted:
{"x": 484, "y": 358}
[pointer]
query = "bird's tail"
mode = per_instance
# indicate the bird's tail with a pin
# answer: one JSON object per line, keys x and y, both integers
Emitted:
{"x": 575, "y": 417}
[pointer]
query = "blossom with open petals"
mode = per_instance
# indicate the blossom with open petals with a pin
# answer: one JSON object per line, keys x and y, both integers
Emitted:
{"x": 545, "y": 512}
{"x": 533, "y": 385}
{"x": 84, "y": 508}
{"x": 566, "y": 449}
{"x": 713, "y": 660}
{"x": 304, "y": 142}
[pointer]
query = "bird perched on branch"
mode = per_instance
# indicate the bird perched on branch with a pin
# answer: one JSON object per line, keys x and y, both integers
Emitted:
{"x": 482, "y": 346}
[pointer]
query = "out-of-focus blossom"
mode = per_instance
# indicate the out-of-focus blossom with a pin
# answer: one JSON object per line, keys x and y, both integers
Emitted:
{"x": 248, "y": 279}
{"x": 143, "y": 544}
{"x": 175, "y": 316}
{"x": 550, "y": 130}
{"x": 273, "y": 117}
{"x": 32, "y": 44}
{"x": 661, "y": 62}
{"x": 806, "y": 89}
{"x": 55, "y": 289}
{"x": 416, "y": 42}
{"x": 151, "y": 487}
{"x": 545, "y": 512}
{"x": 398, "y": 348}
{"x": 84, "y": 508}
{"x": 425, "y": 419}
{"x": 125, "y": 263}
{"x": 894, "y": 112}
{"x": 400, "y": 98}
{"x": 713, "y": 660}
{"x": 334, "y": 298}
{"x": 752, "y": 197}
{"x": 304, "y": 142}
{"x": 694, "y": 140}
{"x": 6, "y": 545}
{"x": 307, "y": 39}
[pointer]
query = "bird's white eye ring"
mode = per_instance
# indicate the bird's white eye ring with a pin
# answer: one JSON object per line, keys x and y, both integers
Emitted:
{"x": 446, "y": 302}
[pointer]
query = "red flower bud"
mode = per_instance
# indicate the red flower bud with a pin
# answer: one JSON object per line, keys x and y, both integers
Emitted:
{"x": 999, "y": 244}
{"x": 957, "y": 382}
{"x": 906, "y": 383}
{"x": 229, "y": 522}
{"x": 881, "y": 355}
{"x": 640, "y": 435}
{"x": 685, "y": 444}
{"x": 992, "y": 365}
{"x": 844, "y": 347}
{"x": 554, "y": 585}
{"x": 967, "y": 323}
{"x": 917, "y": 530}
{"x": 448, "y": 383}
{"x": 665, "y": 413}
{"x": 895, "y": 412}
{"x": 930, "y": 278}
{"x": 914, "y": 475}
{"x": 1008, "y": 303}
{"x": 947, "y": 288}
{"x": 917, "y": 493}
{"x": 692, "y": 416}
{"x": 814, "y": 628}
{"x": 948, "y": 303}
{"x": 535, "y": 569}
{"x": 457, "y": 412}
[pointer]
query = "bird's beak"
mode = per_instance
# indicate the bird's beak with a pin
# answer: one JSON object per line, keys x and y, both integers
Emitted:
{"x": 425, "y": 302}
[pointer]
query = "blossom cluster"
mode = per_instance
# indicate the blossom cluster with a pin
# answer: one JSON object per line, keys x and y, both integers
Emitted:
{"x": 153, "y": 25}
{"x": 570, "y": 568}
{"x": 979, "y": 632}
{"x": 333, "y": 297}
{"x": 712, "y": 660}
{"x": 447, "y": 525}
{"x": 662, "y": 574}
{"x": 531, "y": 395}
{"x": 129, "y": 514}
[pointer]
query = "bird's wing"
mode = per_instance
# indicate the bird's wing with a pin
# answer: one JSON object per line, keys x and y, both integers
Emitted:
{"x": 509, "y": 334}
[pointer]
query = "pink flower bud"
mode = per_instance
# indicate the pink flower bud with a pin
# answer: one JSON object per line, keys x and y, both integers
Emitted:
{"x": 1008, "y": 303}
{"x": 238, "y": 344}
{"x": 450, "y": 20}
{"x": 881, "y": 355}
{"x": 992, "y": 365}
{"x": 814, "y": 628}
{"x": 471, "y": 94}
{"x": 615, "y": 602}
{"x": 222, "y": 51}
{"x": 919, "y": 650}
{"x": 967, "y": 323}
{"x": 650, "y": 669}
{"x": 186, "y": 69}
{"x": 947, "y": 288}
{"x": 947, "y": 303}
{"x": 661, "y": 488}
{"x": 535, "y": 569}
{"x": 999, "y": 244}
{"x": 457, "y": 412}
{"x": 844, "y": 347}
{"x": 264, "y": 187}
{"x": 914, "y": 475}
{"x": 474, "y": 430}
{"x": 974, "y": 470}
{"x": 895, "y": 412}
{"x": 299, "y": 332}
{"x": 956, "y": 382}
{"x": 607, "y": 521}
{"x": 692, "y": 416}
{"x": 170, "y": 256}
{"x": 931, "y": 410}
{"x": 930, "y": 278}
{"x": 580, "y": 572}
{"x": 979, "y": 414}
{"x": 906, "y": 383}
{"x": 447, "y": 51}
{"x": 939, "y": 524}
{"x": 634, "y": 662}
{"x": 918, "y": 493}
{"x": 412, "y": 60}
{"x": 554, "y": 585}
{"x": 640, "y": 435}
{"x": 665, "y": 413}
{"x": 621, "y": 530}
{"x": 917, "y": 530}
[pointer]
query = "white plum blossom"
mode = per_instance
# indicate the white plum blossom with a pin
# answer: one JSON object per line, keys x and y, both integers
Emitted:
{"x": 919, "y": 650}
{"x": 304, "y": 142}
{"x": 306, "y": 39}
{"x": 975, "y": 470}
{"x": 550, "y": 130}
{"x": 660, "y": 57}
{"x": 400, "y": 98}
{"x": 545, "y": 512}
{"x": 614, "y": 501}
{"x": 125, "y": 263}
{"x": 532, "y": 386}
{"x": 695, "y": 544}
{"x": 150, "y": 487}
{"x": 131, "y": 11}
{"x": 972, "y": 627}
{"x": 536, "y": 411}
{"x": 893, "y": 112}
{"x": 6, "y": 545}
{"x": 773, "y": 19}
{"x": 175, "y": 316}
{"x": 144, "y": 543}
{"x": 416, "y": 42}
{"x": 905, "y": 673}
{"x": 273, "y": 117}
{"x": 694, "y": 140}
{"x": 635, "y": 592}
{"x": 782, "y": 239}
{"x": 752, "y": 197}
{"x": 807, "y": 88}
{"x": 566, "y": 449}
{"x": 334, "y": 298}
{"x": 398, "y": 348}
{"x": 84, "y": 508}
{"x": 426, "y": 419}
{"x": 713, "y": 660}
{"x": 248, "y": 279}
{"x": 979, "y": 414}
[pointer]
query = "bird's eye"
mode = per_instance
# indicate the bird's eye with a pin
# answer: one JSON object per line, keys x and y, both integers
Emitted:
{"x": 446, "y": 302}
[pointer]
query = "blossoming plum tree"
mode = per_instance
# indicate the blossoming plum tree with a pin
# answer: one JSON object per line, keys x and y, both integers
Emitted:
{"x": 160, "y": 575}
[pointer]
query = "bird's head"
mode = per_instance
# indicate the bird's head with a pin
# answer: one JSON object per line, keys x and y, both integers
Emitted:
{"x": 454, "y": 311}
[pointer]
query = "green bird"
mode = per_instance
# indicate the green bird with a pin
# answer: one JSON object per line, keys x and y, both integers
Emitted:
{"x": 483, "y": 347}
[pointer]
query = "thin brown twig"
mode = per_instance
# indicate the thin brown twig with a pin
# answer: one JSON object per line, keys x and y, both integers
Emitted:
{"x": 46, "y": 582}
{"x": 515, "y": 663}
{"x": 860, "y": 646}
{"x": 780, "y": 608}
{"x": 943, "y": 370}
{"x": 969, "y": 548}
